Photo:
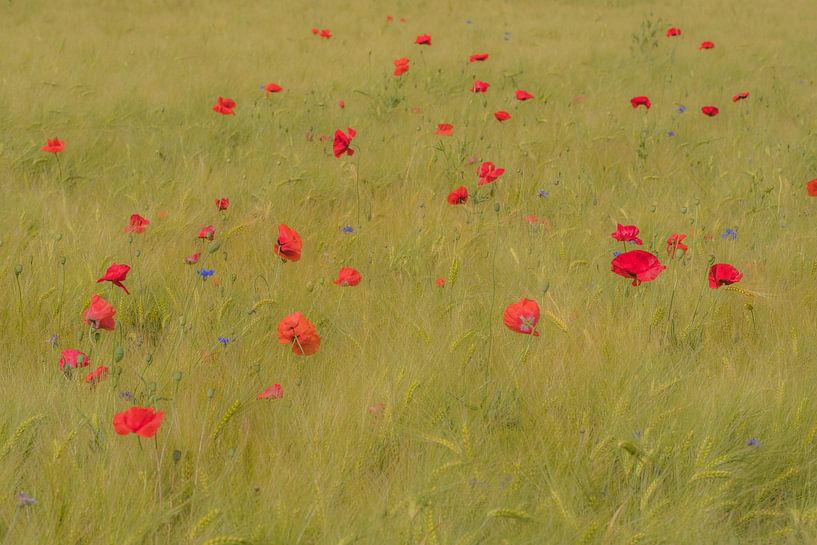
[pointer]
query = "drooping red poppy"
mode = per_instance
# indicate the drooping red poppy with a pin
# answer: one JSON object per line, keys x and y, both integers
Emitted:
{"x": 740, "y": 96}
{"x": 626, "y": 233}
{"x": 207, "y": 233}
{"x": 137, "y": 224}
{"x": 401, "y": 66}
{"x": 342, "y": 142}
{"x": 142, "y": 421}
{"x": 711, "y": 111}
{"x": 721, "y": 274}
{"x": 458, "y": 196}
{"x": 74, "y": 358}
{"x": 97, "y": 375}
{"x": 480, "y": 86}
{"x": 53, "y": 146}
{"x": 272, "y": 88}
{"x": 294, "y": 329}
{"x": 522, "y": 317}
{"x": 423, "y": 39}
{"x": 478, "y": 57}
{"x": 271, "y": 392}
{"x": 324, "y": 33}
{"x": 288, "y": 244}
{"x": 116, "y": 274}
{"x": 222, "y": 203}
{"x": 674, "y": 243}
{"x": 706, "y": 45}
{"x": 673, "y": 31}
{"x": 487, "y": 173}
{"x": 192, "y": 259}
{"x": 224, "y": 106}
{"x": 523, "y": 95}
{"x": 348, "y": 277}
{"x": 640, "y": 100}
{"x": 445, "y": 129}
{"x": 638, "y": 265}
{"x": 99, "y": 314}
{"x": 502, "y": 115}
{"x": 811, "y": 188}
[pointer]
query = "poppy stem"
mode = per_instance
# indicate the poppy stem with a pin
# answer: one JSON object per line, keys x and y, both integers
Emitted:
{"x": 59, "y": 165}
{"x": 357, "y": 188}
{"x": 19, "y": 303}
{"x": 493, "y": 299}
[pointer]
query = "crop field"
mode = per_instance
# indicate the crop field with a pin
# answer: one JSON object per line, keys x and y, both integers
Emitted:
{"x": 414, "y": 273}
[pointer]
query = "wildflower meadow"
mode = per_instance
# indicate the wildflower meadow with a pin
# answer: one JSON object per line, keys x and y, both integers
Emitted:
{"x": 418, "y": 273}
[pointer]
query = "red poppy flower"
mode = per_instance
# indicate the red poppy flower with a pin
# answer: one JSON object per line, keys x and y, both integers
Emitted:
{"x": 480, "y": 86}
{"x": 137, "y": 224}
{"x": 348, "y": 277}
{"x": 673, "y": 31}
{"x": 73, "y": 359}
{"x": 116, "y": 274}
{"x": 53, "y": 146}
{"x": 626, "y": 233}
{"x": 444, "y": 129}
{"x": 502, "y": 115}
{"x": 641, "y": 100}
{"x": 674, "y": 243}
{"x": 639, "y": 265}
{"x": 811, "y": 188}
{"x": 711, "y": 111}
{"x": 389, "y": 18}
{"x": 523, "y": 95}
{"x": 440, "y": 282}
{"x": 522, "y": 317}
{"x": 706, "y": 45}
{"x": 296, "y": 330}
{"x": 342, "y": 142}
{"x": 325, "y": 33}
{"x": 272, "y": 88}
{"x": 488, "y": 173}
{"x": 222, "y": 203}
{"x": 341, "y": 104}
{"x": 97, "y": 375}
{"x": 721, "y": 274}
{"x": 207, "y": 233}
{"x": 192, "y": 259}
{"x": 224, "y": 106}
{"x": 458, "y": 196}
{"x": 142, "y": 421}
{"x": 275, "y": 392}
{"x": 740, "y": 96}
{"x": 401, "y": 66}
{"x": 99, "y": 314}
{"x": 478, "y": 57}
{"x": 288, "y": 244}
{"x": 423, "y": 39}
{"x": 314, "y": 31}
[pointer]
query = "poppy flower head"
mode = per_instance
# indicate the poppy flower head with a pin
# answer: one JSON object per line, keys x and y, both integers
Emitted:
{"x": 324, "y": 33}
{"x": 523, "y": 95}
{"x": 480, "y": 86}
{"x": 99, "y": 314}
{"x": 142, "y": 421}
{"x": 673, "y": 31}
{"x": 423, "y": 39}
{"x": 811, "y": 188}
{"x": 342, "y": 142}
{"x": 272, "y": 88}
{"x": 638, "y": 265}
{"x": 294, "y": 329}
{"x": 348, "y": 277}
{"x": 222, "y": 203}
{"x": 73, "y": 358}
{"x": 271, "y": 392}
{"x": 53, "y": 146}
{"x": 675, "y": 243}
{"x": 440, "y": 282}
{"x": 740, "y": 96}
{"x": 401, "y": 66}
{"x": 97, "y": 375}
{"x": 721, "y": 274}
{"x": 641, "y": 100}
{"x": 478, "y": 57}
{"x": 487, "y": 173}
{"x": 116, "y": 274}
{"x": 137, "y": 224}
{"x": 706, "y": 45}
{"x": 207, "y": 233}
{"x": 710, "y": 111}
{"x": 288, "y": 243}
{"x": 458, "y": 196}
{"x": 502, "y": 115}
{"x": 224, "y": 106}
{"x": 522, "y": 317}
{"x": 445, "y": 129}
{"x": 626, "y": 233}
{"x": 192, "y": 259}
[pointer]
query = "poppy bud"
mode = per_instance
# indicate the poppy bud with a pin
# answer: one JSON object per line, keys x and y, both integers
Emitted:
{"x": 81, "y": 336}
{"x": 62, "y": 260}
{"x": 684, "y": 210}
{"x": 749, "y": 306}
{"x": 130, "y": 239}
{"x": 652, "y": 208}
{"x": 178, "y": 376}
{"x": 177, "y": 455}
{"x": 96, "y": 335}
{"x": 545, "y": 287}
{"x": 118, "y": 354}
{"x": 58, "y": 237}
{"x": 18, "y": 270}
{"x": 214, "y": 246}
{"x": 496, "y": 207}
{"x": 149, "y": 359}
{"x": 630, "y": 447}
{"x": 210, "y": 393}
{"x": 137, "y": 253}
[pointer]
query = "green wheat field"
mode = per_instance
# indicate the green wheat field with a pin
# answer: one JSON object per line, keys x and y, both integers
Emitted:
{"x": 664, "y": 413}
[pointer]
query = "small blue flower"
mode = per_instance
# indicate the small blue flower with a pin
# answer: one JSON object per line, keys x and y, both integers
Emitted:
{"x": 347, "y": 229}
{"x": 753, "y": 442}
{"x": 224, "y": 340}
{"x": 542, "y": 194}
{"x": 637, "y": 434}
{"x": 670, "y": 133}
{"x": 125, "y": 395}
{"x": 682, "y": 109}
{"x": 616, "y": 253}
{"x": 24, "y": 500}
{"x": 731, "y": 234}
{"x": 507, "y": 36}
{"x": 206, "y": 273}
{"x": 52, "y": 340}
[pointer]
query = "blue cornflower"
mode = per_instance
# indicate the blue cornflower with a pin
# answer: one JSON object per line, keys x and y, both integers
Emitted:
{"x": 682, "y": 109}
{"x": 637, "y": 434}
{"x": 24, "y": 500}
{"x": 542, "y": 194}
{"x": 347, "y": 229}
{"x": 616, "y": 253}
{"x": 206, "y": 273}
{"x": 224, "y": 340}
{"x": 125, "y": 395}
{"x": 670, "y": 133}
{"x": 731, "y": 234}
{"x": 753, "y": 442}
{"x": 53, "y": 340}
